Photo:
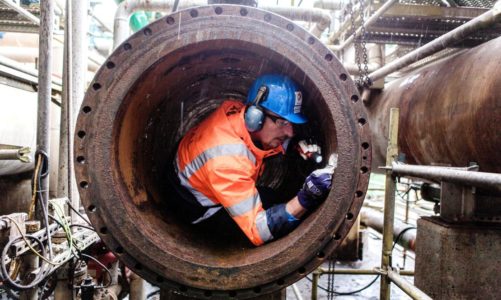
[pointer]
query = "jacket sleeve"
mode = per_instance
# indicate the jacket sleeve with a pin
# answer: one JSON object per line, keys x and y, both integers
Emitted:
{"x": 232, "y": 184}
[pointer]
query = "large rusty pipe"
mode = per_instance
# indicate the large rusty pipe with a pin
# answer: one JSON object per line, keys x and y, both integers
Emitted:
{"x": 449, "y": 112}
{"x": 166, "y": 78}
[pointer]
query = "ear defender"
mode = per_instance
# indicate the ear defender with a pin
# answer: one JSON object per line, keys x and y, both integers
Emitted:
{"x": 254, "y": 115}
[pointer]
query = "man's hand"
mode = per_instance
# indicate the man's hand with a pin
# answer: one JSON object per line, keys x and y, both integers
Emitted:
{"x": 317, "y": 185}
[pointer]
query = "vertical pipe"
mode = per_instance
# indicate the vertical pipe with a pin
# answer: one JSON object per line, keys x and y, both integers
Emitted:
{"x": 62, "y": 182}
{"x": 75, "y": 66}
{"x": 314, "y": 285}
{"x": 44, "y": 91}
{"x": 389, "y": 203}
{"x": 31, "y": 263}
{"x": 78, "y": 85}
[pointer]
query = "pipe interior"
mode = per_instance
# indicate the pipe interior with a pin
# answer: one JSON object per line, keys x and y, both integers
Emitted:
{"x": 173, "y": 95}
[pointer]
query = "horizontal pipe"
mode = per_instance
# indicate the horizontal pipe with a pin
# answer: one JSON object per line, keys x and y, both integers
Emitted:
{"x": 374, "y": 219}
{"x": 367, "y": 23}
{"x": 361, "y": 272}
{"x": 319, "y": 16}
{"x": 453, "y": 175}
{"x": 127, "y": 7}
{"x": 16, "y": 154}
{"x": 483, "y": 21}
{"x": 406, "y": 286}
{"x": 18, "y": 67}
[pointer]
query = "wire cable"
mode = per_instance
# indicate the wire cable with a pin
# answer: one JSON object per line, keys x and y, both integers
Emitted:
{"x": 38, "y": 277}
{"x": 77, "y": 212}
{"x": 102, "y": 266}
{"x": 331, "y": 290}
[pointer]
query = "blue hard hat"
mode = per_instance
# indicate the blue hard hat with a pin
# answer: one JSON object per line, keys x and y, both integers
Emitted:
{"x": 282, "y": 98}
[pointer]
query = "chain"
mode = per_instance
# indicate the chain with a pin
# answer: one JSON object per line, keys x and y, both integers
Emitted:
{"x": 360, "y": 46}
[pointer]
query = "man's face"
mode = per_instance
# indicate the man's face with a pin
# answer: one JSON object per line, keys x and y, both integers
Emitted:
{"x": 274, "y": 132}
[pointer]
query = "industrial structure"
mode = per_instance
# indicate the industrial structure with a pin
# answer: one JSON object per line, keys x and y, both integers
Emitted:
{"x": 92, "y": 102}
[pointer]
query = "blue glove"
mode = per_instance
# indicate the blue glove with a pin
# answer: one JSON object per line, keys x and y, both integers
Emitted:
{"x": 317, "y": 185}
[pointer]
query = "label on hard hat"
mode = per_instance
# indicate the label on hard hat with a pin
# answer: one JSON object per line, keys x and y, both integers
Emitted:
{"x": 298, "y": 102}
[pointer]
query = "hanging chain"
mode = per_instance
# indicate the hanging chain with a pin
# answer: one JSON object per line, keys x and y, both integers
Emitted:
{"x": 360, "y": 46}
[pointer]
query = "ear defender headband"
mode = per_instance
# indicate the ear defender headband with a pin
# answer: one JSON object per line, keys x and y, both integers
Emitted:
{"x": 254, "y": 115}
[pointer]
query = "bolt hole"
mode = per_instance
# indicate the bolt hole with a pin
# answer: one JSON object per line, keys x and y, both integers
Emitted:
{"x": 84, "y": 184}
{"x": 257, "y": 290}
{"x": 290, "y": 27}
{"x": 365, "y": 145}
{"x": 194, "y": 13}
{"x": 110, "y": 65}
{"x": 103, "y": 230}
{"x": 232, "y": 294}
{"x": 311, "y": 40}
{"x": 337, "y": 236}
{"x": 170, "y": 20}
{"x": 81, "y": 134}
{"x": 362, "y": 121}
{"x": 244, "y": 12}
{"x": 119, "y": 250}
{"x": 321, "y": 254}
{"x": 328, "y": 57}
{"x": 343, "y": 77}
{"x": 359, "y": 193}
{"x": 127, "y": 46}
{"x": 364, "y": 157}
{"x": 208, "y": 294}
{"x": 96, "y": 86}
{"x": 81, "y": 159}
{"x": 218, "y": 10}
{"x": 354, "y": 98}
{"x": 86, "y": 109}
{"x": 301, "y": 271}
{"x": 267, "y": 17}
{"x": 364, "y": 170}
{"x": 91, "y": 208}
{"x": 147, "y": 31}
{"x": 349, "y": 216}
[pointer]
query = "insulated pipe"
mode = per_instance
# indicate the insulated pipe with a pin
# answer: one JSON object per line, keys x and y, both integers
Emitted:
{"x": 485, "y": 20}
{"x": 320, "y": 17}
{"x": 125, "y": 9}
{"x": 165, "y": 79}
{"x": 328, "y": 4}
{"x": 449, "y": 112}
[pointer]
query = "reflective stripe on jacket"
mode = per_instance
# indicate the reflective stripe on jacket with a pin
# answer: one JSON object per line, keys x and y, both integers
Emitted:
{"x": 219, "y": 164}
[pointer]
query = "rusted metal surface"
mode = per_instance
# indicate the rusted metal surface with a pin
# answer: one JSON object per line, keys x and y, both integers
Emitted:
{"x": 449, "y": 112}
{"x": 166, "y": 78}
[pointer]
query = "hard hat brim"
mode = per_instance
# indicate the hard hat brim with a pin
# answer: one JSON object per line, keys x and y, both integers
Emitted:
{"x": 296, "y": 118}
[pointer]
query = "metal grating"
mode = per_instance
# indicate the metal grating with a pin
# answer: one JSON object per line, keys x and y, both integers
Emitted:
{"x": 14, "y": 18}
{"x": 416, "y": 25}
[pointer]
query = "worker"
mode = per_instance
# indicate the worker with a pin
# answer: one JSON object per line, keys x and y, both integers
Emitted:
{"x": 219, "y": 161}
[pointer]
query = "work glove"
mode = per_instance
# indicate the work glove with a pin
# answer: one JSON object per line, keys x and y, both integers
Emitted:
{"x": 317, "y": 185}
{"x": 311, "y": 151}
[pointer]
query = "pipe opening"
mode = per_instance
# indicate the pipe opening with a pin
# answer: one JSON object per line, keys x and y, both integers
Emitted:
{"x": 175, "y": 94}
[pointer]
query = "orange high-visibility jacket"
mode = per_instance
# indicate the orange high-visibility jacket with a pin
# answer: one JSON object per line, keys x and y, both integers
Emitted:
{"x": 219, "y": 164}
